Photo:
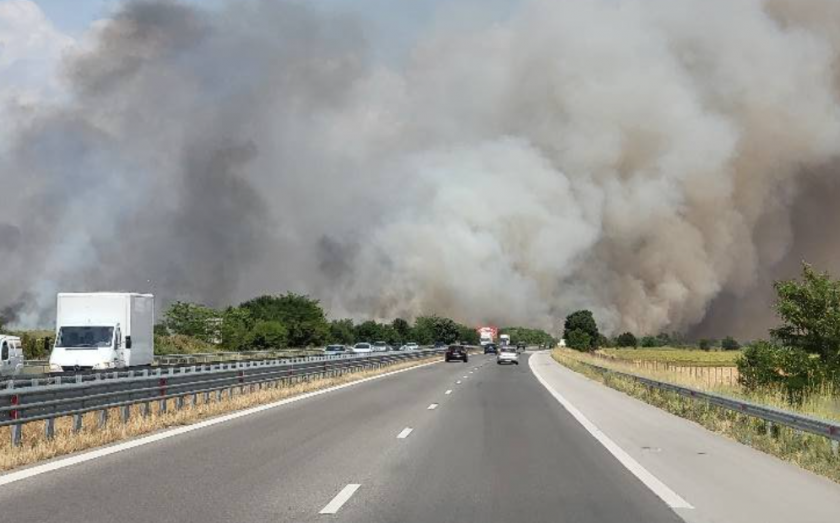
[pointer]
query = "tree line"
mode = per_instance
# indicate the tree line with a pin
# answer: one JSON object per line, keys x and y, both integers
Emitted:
{"x": 294, "y": 320}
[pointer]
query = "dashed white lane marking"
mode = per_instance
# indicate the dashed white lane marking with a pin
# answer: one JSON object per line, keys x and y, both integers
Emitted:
{"x": 340, "y": 499}
{"x": 458, "y": 382}
{"x": 433, "y": 406}
{"x": 671, "y": 498}
{"x": 405, "y": 432}
{"x": 448, "y": 392}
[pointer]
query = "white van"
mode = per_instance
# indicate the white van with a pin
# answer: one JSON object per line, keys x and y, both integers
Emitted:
{"x": 11, "y": 355}
{"x": 103, "y": 330}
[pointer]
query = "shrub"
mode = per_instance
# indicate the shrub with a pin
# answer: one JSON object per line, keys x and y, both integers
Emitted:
{"x": 730, "y": 343}
{"x": 268, "y": 335}
{"x": 579, "y": 340}
{"x": 584, "y": 323}
{"x": 626, "y": 339}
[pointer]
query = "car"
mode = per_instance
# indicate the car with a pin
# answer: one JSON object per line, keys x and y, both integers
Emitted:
{"x": 490, "y": 348}
{"x": 456, "y": 352}
{"x": 520, "y": 346}
{"x": 380, "y": 346}
{"x": 440, "y": 345}
{"x": 362, "y": 348}
{"x": 410, "y": 346}
{"x": 507, "y": 355}
{"x": 335, "y": 350}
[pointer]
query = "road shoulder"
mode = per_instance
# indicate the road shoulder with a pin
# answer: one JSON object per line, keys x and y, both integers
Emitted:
{"x": 724, "y": 480}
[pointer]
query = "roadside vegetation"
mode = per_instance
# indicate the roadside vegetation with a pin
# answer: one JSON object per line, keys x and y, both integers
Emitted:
{"x": 676, "y": 356}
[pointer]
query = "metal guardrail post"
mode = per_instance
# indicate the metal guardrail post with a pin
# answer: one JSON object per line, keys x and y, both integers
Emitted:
{"x": 78, "y": 421}
{"x": 49, "y": 428}
{"x": 17, "y": 434}
{"x": 125, "y": 413}
{"x": 103, "y": 418}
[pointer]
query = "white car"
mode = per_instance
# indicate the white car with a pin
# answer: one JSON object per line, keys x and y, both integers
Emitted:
{"x": 507, "y": 355}
{"x": 410, "y": 346}
{"x": 11, "y": 355}
{"x": 335, "y": 350}
{"x": 362, "y": 348}
{"x": 380, "y": 346}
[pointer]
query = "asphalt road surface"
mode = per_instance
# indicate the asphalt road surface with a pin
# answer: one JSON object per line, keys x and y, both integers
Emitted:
{"x": 497, "y": 448}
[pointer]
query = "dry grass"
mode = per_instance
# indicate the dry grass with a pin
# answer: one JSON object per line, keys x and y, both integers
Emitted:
{"x": 36, "y": 447}
{"x": 672, "y": 356}
{"x": 809, "y": 451}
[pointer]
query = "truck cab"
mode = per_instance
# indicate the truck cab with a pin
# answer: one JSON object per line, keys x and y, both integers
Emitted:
{"x": 11, "y": 355}
{"x": 87, "y": 347}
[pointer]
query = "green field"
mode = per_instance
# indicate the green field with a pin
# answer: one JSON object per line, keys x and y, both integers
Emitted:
{"x": 684, "y": 357}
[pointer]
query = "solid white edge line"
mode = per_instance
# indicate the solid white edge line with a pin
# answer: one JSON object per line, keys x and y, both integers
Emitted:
{"x": 433, "y": 406}
{"x": 405, "y": 432}
{"x": 340, "y": 499}
{"x": 671, "y": 498}
{"x": 61, "y": 463}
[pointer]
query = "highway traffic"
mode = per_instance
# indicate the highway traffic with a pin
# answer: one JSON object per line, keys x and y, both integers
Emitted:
{"x": 446, "y": 442}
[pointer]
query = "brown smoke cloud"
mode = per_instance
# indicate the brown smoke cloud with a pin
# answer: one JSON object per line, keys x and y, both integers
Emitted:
{"x": 643, "y": 159}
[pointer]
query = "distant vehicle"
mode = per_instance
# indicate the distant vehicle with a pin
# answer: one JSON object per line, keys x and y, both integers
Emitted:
{"x": 507, "y": 355}
{"x": 487, "y": 335}
{"x": 11, "y": 355}
{"x": 440, "y": 345}
{"x": 103, "y": 330}
{"x": 504, "y": 340}
{"x": 362, "y": 348}
{"x": 381, "y": 346}
{"x": 490, "y": 348}
{"x": 520, "y": 346}
{"x": 456, "y": 352}
{"x": 410, "y": 346}
{"x": 335, "y": 350}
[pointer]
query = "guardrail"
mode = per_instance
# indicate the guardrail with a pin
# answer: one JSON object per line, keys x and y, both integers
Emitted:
{"x": 770, "y": 415}
{"x": 81, "y": 396}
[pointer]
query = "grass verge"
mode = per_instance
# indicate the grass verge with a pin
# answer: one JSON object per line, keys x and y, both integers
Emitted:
{"x": 808, "y": 451}
{"x": 36, "y": 447}
{"x": 672, "y": 356}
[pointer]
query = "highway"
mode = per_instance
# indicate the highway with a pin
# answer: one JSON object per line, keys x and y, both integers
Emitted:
{"x": 449, "y": 442}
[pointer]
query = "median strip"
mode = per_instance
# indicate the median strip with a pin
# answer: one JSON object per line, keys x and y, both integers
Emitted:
{"x": 340, "y": 499}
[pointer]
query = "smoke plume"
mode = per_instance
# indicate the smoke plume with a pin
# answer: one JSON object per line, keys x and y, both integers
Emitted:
{"x": 641, "y": 158}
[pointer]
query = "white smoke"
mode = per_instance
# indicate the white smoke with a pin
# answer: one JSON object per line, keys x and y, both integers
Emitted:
{"x": 637, "y": 158}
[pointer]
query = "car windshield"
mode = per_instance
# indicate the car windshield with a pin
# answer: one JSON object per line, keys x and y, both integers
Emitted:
{"x": 509, "y": 350}
{"x": 380, "y": 344}
{"x": 363, "y": 345}
{"x": 84, "y": 337}
{"x": 333, "y": 348}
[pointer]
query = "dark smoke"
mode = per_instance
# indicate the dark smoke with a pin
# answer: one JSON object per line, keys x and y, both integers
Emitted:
{"x": 641, "y": 158}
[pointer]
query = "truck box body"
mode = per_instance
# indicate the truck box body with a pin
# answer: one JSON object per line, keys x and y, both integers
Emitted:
{"x": 103, "y": 330}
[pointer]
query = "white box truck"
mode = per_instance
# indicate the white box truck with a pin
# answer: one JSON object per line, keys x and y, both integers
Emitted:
{"x": 103, "y": 330}
{"x": 11, "y": 355}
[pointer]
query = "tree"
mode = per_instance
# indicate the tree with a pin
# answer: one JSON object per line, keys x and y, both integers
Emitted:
{"x": 302, "y": 317}
{"x": 402, "y": 328}
{"x": 578, "y": 339}
{"x": 341, "y": 331}
{"x": 626, "y": 339}
{"x": 730, "y": 343}
{"x": 369, "y": 331}
{"x": 468, "y": 335}
{"x": 191, "y": 319}
{"x": 268, "y": 335}
{"x": 236, "y": 328}
{"x": 432, "y": 329}
{"x": 810, "y": 314}
{"x": 706, "y": 344}
{"x": 584, "y": 322}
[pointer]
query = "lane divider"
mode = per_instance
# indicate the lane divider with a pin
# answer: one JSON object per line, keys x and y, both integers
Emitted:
{"x": 458, "y": 382}
{"x": 448, "y": 392}
{"x": 340, "y": 499}
{"x": 405, "y": 432}
{"x": 433, "y": 406}
{"x": 671, "y": 498}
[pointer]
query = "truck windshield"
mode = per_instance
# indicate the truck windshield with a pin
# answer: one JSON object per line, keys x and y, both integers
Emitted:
{"x": 84, "y": 337}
